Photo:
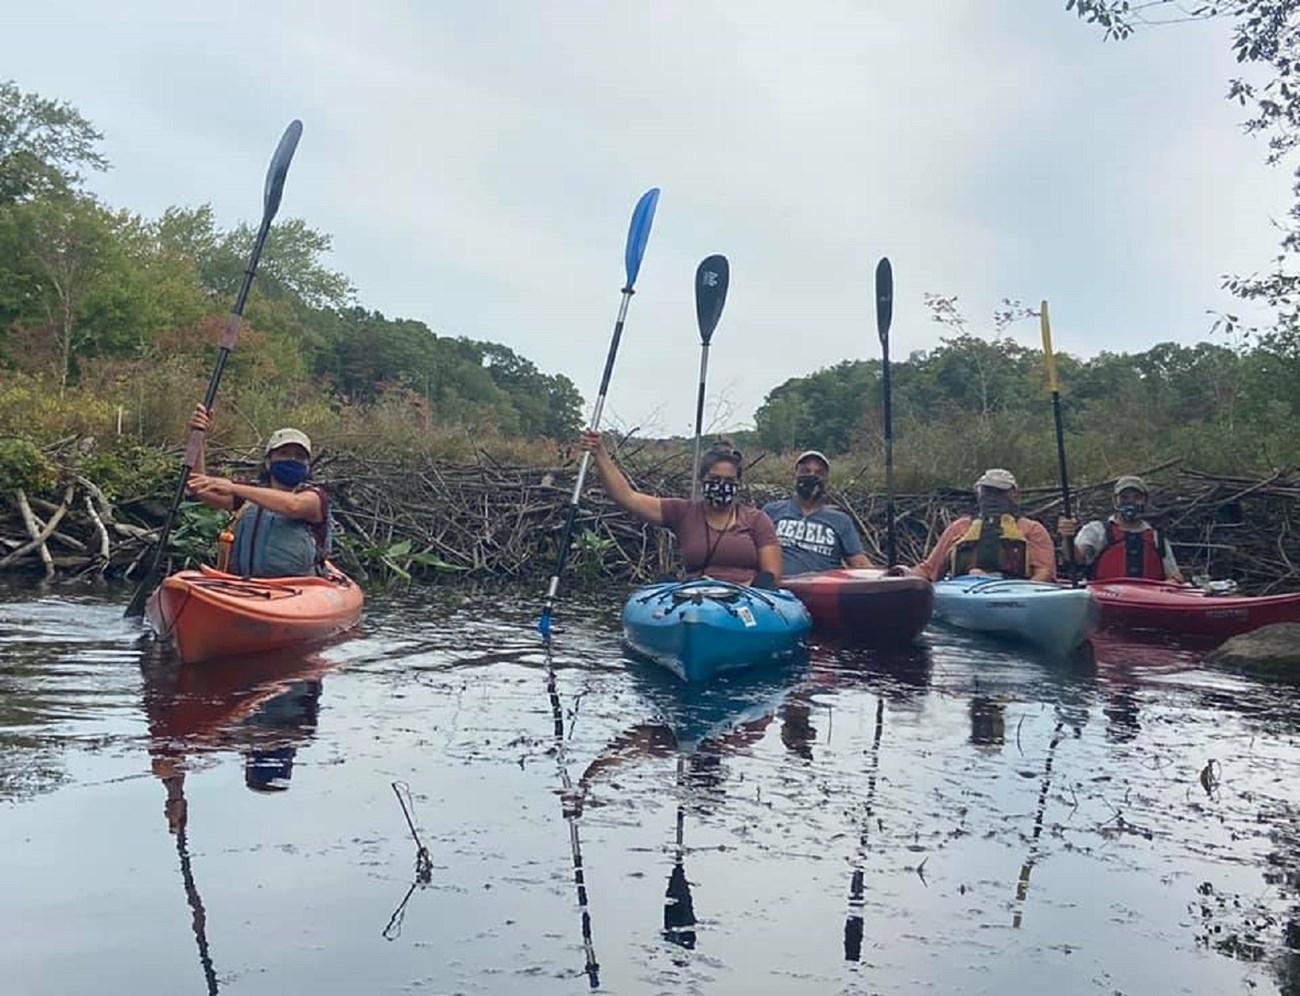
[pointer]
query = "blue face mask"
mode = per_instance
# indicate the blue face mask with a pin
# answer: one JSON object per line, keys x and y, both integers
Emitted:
{"x": 290, "y": 473}
{"x": 1132, "y": 511}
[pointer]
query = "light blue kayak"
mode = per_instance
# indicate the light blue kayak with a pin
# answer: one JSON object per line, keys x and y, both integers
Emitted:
{"x": 1051, "y": 617}
{"x": 702, "y": 628}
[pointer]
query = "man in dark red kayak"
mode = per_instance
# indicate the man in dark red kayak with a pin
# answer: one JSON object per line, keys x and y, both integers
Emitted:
{"x": 1125, "y": 545}
{"x": 814, "y": 536}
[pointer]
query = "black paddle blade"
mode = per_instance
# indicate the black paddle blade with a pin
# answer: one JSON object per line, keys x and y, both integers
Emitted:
{"x": 712, "y": 277}
{"x": 279, "y": 169}
{"x": 884, "y": 297}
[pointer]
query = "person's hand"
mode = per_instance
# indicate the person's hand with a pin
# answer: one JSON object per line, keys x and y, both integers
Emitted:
{"x": 977, "y": 571}
{"x": 201, "y": 419}
{"x": 897, "y": 571}
{"x": 590, "y": 440}
{"x": 1176, "y": 577}
{"x": 1066, "y": 528}
{"x": 203, "y": 486}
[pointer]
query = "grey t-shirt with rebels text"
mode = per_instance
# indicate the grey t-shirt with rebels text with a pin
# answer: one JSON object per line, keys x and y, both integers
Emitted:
{"x": 817, "y": 542}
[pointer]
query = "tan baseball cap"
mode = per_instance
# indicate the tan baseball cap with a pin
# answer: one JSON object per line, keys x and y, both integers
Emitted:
{"x": 813, "y": 455}
{"x": 996, "y": 477}
{"x": 1130, "y": 481}
{"x": 283, "y": 437}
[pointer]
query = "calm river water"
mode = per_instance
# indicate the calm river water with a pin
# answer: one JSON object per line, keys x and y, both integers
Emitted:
{"x": 960, "y": 818}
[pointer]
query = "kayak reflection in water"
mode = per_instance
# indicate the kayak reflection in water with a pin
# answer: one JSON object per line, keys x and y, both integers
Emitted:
{"x": 718, "y": 536}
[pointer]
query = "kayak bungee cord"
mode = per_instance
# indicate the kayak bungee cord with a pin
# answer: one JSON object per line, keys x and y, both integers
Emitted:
{"x": 271, "y": 195}
{"x": 637, "y": 234}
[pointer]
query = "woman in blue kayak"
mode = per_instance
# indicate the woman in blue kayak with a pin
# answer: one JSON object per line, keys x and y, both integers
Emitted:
{"x": 718, "y": 536}
{"x": 282, "y": 526}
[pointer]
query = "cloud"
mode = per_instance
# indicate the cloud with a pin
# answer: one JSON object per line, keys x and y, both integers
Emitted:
{"x": 477, "y": 164}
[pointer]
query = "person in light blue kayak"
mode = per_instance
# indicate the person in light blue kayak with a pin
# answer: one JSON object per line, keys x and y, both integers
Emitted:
{"x": 996, "y": 541}
{"x": 719, "y": 537}
{"x": 814, "y": 536}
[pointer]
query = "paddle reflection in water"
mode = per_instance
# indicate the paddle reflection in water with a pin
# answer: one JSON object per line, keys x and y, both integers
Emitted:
{"x": 698, "y": 725}
{"x": 896, "y": 673}
{"x": 263, "y": 707}
{"x": 571, "y": 807}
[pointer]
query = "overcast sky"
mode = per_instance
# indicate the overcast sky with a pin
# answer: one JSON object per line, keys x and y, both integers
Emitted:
{"x": 477, "y": 163}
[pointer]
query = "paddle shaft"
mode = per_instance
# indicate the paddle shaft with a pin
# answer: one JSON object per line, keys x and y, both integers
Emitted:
{"x": 884, "y": 318}
{"x": 566, "y": 538}
{"x": 699, "y": 422}
{"x": 1049, "y": 359}
{"x": 194, "y": 446}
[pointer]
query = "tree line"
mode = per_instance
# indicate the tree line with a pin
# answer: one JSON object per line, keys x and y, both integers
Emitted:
{"x": 107, "y": 314}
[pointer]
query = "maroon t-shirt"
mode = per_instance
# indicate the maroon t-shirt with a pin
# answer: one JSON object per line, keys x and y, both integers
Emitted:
{"x": 728, "y": 555}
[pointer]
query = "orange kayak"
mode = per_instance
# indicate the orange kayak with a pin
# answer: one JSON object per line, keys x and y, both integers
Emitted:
{"x": 206, "y": 614}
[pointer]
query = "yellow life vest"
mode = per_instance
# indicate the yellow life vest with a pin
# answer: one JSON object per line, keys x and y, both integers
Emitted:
{"x": 1004, "y": 550}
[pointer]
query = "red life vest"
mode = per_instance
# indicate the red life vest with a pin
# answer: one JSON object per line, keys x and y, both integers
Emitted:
{"x": 1129, "y": 555}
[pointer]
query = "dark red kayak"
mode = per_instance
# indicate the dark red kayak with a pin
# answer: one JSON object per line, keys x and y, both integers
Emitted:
{"x": 1184, "y": 609}
{"x": 865, "y": 605}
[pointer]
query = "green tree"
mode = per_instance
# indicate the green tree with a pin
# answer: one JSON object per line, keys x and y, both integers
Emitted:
{"x": 64, "y": 247}
{"x": 44, "y": 145}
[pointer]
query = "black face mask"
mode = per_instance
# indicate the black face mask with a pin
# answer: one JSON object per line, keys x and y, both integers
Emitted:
{"x": 1131, "y": 511}
{"x": 809, "y": 487}
{"x": 994, "y": 502}
{"x": 719, "y": 494}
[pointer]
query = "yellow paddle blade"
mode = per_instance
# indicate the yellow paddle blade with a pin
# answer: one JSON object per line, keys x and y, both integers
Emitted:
{"x": 1048, "y": 357}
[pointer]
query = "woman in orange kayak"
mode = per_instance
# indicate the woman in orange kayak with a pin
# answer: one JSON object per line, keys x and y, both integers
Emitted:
{"x": 282, "y": 528}
{"x": 718, "y": 537}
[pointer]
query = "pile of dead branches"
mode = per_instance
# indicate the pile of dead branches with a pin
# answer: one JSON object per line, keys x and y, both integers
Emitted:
{"x": 434, "y": 520}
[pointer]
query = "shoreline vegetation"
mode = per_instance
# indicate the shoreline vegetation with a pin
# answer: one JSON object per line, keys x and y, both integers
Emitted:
{"x": 496, "y": 518}
{"x": 451, "y": 458}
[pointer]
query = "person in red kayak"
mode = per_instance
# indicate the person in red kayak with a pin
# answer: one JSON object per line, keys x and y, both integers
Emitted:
{"x": 1125, "y": 545}
{"x": 718, "y": 536}
{"x": 814, "y": 536}
{"x": 282, "y": 525}
{"x": 998, "y": 541}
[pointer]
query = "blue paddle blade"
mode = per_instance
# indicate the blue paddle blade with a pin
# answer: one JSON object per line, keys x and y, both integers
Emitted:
{"x": 884, "y": 297}
{"x": 638, "y": 233}
{"x": 712, "y": 277}
{"x": 279, "y": 169}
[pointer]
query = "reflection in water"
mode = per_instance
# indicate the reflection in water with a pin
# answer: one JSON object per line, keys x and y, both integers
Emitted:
{"x": 263, "y": 707}
{"x": 679, "y": 908}
{"x": 423, "y": 863}
{"x": 988, "y": 721}
{"x": 853, "y": 922}
{"x": 1022, "y": 884}
{"x": 571, "y": 807}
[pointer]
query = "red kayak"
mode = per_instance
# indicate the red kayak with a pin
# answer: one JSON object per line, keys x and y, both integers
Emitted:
{"x": 207, "y": 614}
{"x": 865, "y": 605}
{"x": 1139, "y": 603}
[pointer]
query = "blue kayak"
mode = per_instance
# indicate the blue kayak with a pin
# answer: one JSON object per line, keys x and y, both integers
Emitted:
{"x": 702, "y": 628}
{"x": 1051, "y": 617}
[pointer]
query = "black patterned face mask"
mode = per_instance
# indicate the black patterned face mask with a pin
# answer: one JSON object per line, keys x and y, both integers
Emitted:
{"x": 719, "y": 492}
